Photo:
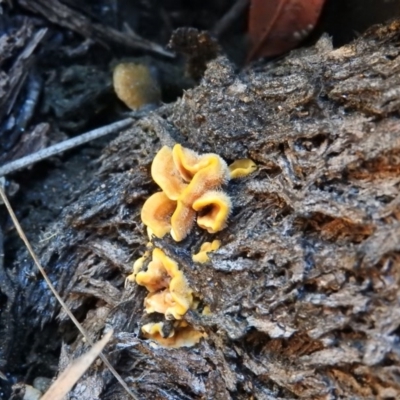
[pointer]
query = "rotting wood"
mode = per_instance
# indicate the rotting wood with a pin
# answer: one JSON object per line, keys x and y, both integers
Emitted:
{"x": 304, "y": 290}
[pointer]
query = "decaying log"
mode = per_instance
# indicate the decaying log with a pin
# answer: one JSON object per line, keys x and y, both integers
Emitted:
{"x": 304, "y": 291}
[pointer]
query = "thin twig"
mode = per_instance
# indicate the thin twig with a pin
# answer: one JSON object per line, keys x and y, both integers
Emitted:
{"x": 229, "y": 17}
{"x": 58, "y": 297}
{"x": 63, "y": 146}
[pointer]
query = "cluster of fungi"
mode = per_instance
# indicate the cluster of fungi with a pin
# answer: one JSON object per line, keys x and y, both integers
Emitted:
{"x": 191, "y": 192}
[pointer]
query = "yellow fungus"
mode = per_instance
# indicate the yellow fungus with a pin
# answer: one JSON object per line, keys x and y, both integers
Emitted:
{"x": 156, "y": 213}
{"x": 182, "y": 335}
{"x": 138, "y": 264}
{"x": 207, "y": 247}
{"x": 216, "y": 206}
{"x": 241, "y": 168}
{"x": 163, "y": 274}
{"x": 155, "y": 277}
{"x": 213, "y": 173}
{"x": 166, "y": 175}
{"x": 135, "y": 85}
{"x": 186, "y": 161}
{"x": 159, "y": 302}
{"x": 154, "y": 328}
{"x": 182, "y": 221}
{"x": 184, "y": 176}
{"x": 206, "y": 311}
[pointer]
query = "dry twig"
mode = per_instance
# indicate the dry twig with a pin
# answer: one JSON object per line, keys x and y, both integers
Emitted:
{"x": 229, "y": 17}
{"x": 63, "y": 146}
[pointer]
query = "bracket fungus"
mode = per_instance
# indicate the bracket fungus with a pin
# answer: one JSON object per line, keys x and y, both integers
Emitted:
{"x": 165, "y": 174}
{"x": 169, "y": 294}
{"x": 156, "y": 213}
{"x": 241, "y": 168}
{"x": 214, "y": 207}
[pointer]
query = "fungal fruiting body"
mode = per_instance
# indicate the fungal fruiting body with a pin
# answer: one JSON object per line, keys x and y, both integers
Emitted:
{"x": 212, "y": 174}
{"x": 182, "y": 334}
{"x": 207, "y": 247}
{"x": 169, "y": 294}
{"x": 186, "y": 162}
{"x": 169, "y": 291}
{"x": 241, "y": 168}
{"x": 156, "y": 213}
{"x": 191, "y": 186}
{"x": 182, "y": 221}
{"x": 165, "y": 174}
{"x": 218, "y": 206}
{"x": 135, "y": 85}
{"x": 185, "y": 177}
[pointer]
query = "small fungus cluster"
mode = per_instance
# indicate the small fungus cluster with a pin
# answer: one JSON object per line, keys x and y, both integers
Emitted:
{"x": 181, "y": 334}
{"x": 190, "y": 185}
{"x": 169, "y": 294}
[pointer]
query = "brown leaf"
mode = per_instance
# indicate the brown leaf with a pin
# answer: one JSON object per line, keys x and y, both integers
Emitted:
{"x": 276, "y": 26}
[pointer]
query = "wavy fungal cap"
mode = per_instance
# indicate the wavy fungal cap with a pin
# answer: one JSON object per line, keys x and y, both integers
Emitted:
{"x": 213, "y": 174}
{"x": 135, "y": 85}
{"x": 184, "y": 177}
{"x": 207, "y": 247}
{"x": 216, "y": 207}
{"x": 182, "y": 221}
{"x": 169, "y": 291}
{"x": 159, "y": 302}
{"x": 241, "y": 168}
{"x": 156, "y": 213}
{"x": 166, "y": 175}
{"x": 186, "y": 162}
{"x": 182, "y": 335}
{"x": 156, "y": 277}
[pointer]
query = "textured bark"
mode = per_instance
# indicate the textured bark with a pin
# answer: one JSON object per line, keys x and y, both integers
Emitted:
{"x": 304, "y": 291}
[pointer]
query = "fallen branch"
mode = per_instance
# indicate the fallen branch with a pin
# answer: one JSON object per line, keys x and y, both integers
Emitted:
{"x": 63, "y": 146}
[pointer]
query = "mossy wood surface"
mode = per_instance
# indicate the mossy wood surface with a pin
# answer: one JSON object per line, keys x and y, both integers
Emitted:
{"x": 304, "y": 291}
